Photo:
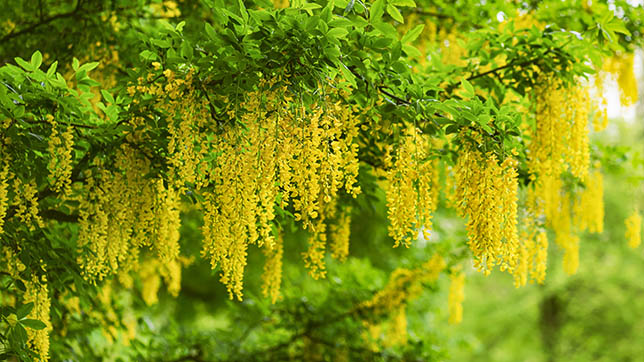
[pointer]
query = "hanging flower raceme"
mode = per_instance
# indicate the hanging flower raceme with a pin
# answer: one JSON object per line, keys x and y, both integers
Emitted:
{"x": 634, "y": 229}
{"x": 339, "y": 233}
{"x": 559, "y": 144}
{"x": 455, "y": 297}
{"x": 37, "y": 292}
{"x": 4, "y": 191}
{"x": 410, "y": 198}
{"x": 60, "y": 153}
{"x": 577, "y": 112}
{"x": 486, "y": 193}
{"x": 272, "y": 276}
{"x": 26, "y": 203}
{"x": 286, "y": 155}
{"x": 589, "y": 209}
{"x": 404, "y": 285}
{"x": 621, "y": 67}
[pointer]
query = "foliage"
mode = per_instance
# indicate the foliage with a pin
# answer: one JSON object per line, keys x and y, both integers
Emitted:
{"x": 172, "y": 144}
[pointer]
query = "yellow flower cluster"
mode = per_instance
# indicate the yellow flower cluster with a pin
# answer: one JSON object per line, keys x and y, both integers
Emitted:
{"x": 36, "y": 292}
{"x": 151, "y": 281}
{"x": 60, "y": 157}
{"x": 26, "y": 203}
{"x": 411, "y": 190}
{"x": 397, "y": 328}
{"x": 339, "y": 234}
{"x": 281, "y": 154}
{"x": 272, "y": 276}
{"x": 166, "y": 9}
{"x": 391, "y": 302}
{"x": 589, "y": 208}
{"x": 565, "y": 236}
{"x": 634, "y": 229}
{"x": 559, "y": 144}
{"x": 120, "y": 213}
{"x": 404, "y": 285}
{"x": 455, "y": 297}
{"x": 114, "y": 324}
{"x": 621, "y": 66}
{"x": 4, "y": 190}
{"x": 540, "y": 256}
{"x": 167, "y": 223}
{"x": 600, "y": 117}
{"x": 578, "y": 112}
{"x": 560, "y": 140}
{"x": 486, "y": 192}
{"x": 533, "y": 250}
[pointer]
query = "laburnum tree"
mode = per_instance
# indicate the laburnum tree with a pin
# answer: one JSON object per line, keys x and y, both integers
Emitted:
{"x": 140, "y": 139}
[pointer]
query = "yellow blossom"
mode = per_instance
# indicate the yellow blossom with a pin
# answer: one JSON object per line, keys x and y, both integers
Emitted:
{"x": 634, "y": 229}
{"x": 455, "y": 297}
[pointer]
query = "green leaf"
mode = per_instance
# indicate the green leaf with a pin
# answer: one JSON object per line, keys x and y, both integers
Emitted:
{"x": 52, "y": 69}
{"x": 469, "y": 90}
{"x": 413, "y": 34}
{"x": 107, "y": 96}
{"x": 36, "y": 59}
{"x": 33, "y": 324}
{"x": 349, "y": 7}
{"x": 18, "y": 335}
{"x": 161, "y": 43}
{"x": 408, "y": 3}
{"x": 411, "y": 50}
{"x": 338, "y": 33}
{"x": 386, "y": 29}
{"x": 395, "y": 13}
{"x": 24, "y": 310}
{"x": 88, "y": 67}
{"x": 27, "y": 66}
{"x": 242, "y": 10}
{"x": 211, "y": 31}
{"x": 310, "y": 6}
{"x": 617, "y": 27}
{"x": 179, "y": 27}
{"x": 377, "y": 10}
{"x": 147, "y": 55}
{"x": 348, "y": 76}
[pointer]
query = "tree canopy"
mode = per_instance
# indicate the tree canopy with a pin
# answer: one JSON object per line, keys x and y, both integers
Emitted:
{"x": 177, "y": 176}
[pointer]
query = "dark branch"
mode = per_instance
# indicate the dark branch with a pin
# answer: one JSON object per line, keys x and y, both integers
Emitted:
{"x": 42, "y": 22}
{"x": 58, "y": 216}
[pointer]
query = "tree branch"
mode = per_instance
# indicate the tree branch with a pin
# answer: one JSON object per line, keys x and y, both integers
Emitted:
{"x": 42, "y": 22}
{"x": 58, "y": 216}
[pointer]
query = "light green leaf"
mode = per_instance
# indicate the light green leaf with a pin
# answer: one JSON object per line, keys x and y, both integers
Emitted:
{"x": 348, "y": 76}
{"x": 87, "y": 67}
{"x": 52, "y": 69}
{"x": 147, "y": 55}
{"x": 413, "y": 34}
{"x": 36, "y": 59}
{"x": 376, "y": 11}
{"x": 242, "y": 10}
{"x": 107, "y": 96}
{"x": 338, "y": 33}
{"x": 395, "y": 13}
{"x": 408, "y": 3}
{"x": 411, "y": 50}
{"x": 469, "y": 90}
{"x": 27, "y": 66}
